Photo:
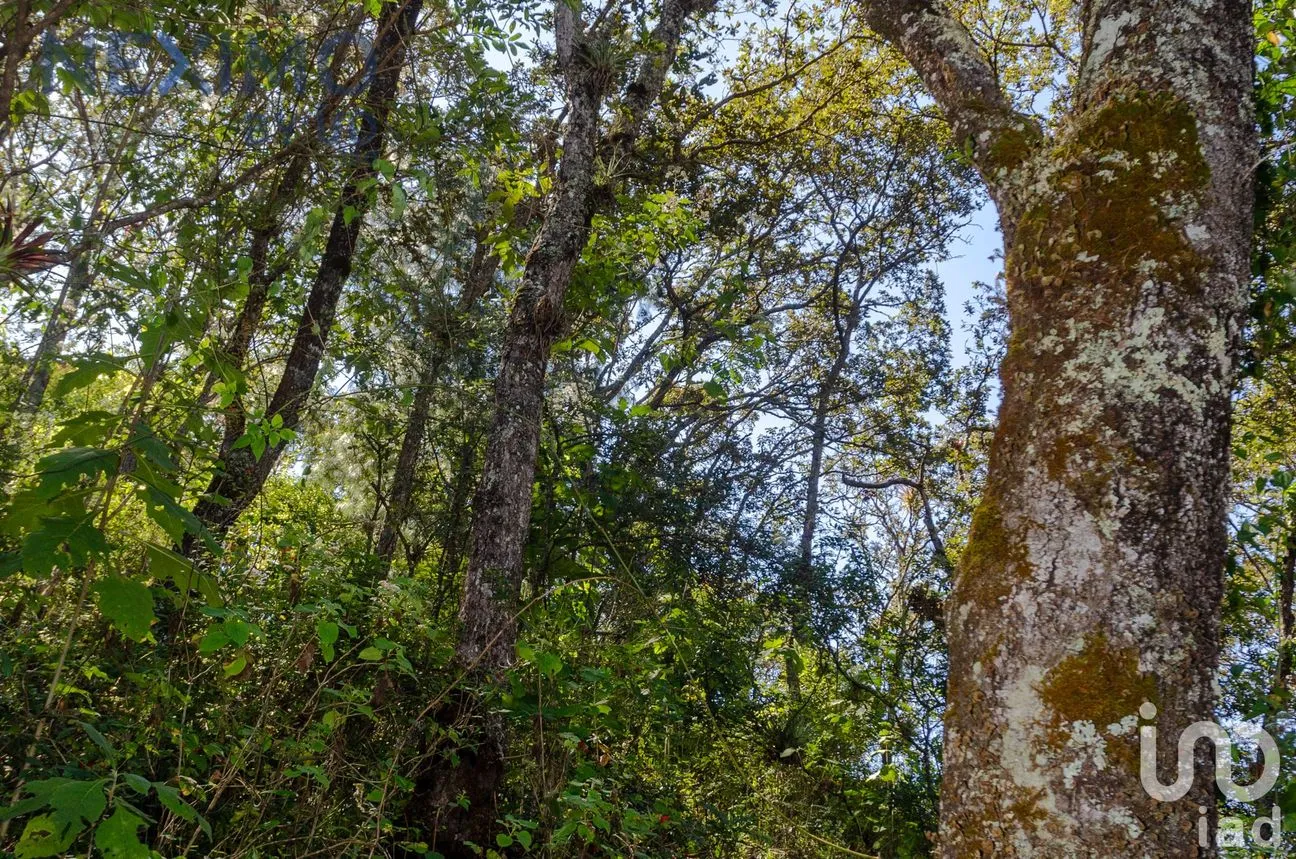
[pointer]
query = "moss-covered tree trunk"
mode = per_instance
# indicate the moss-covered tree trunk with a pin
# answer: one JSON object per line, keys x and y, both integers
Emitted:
{"x": 1091, "y": 579}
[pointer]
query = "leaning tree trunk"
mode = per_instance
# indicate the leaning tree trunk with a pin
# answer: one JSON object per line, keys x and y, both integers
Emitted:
{"x": 62, "y": 317}
{"x": 1091, "y": 580}
{"x": 239, "y": 475}
{"x": 502, "y": 506}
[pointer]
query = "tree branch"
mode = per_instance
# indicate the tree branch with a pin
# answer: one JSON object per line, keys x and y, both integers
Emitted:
{"x": 933, "y": 533}
{"x": 959, "y": 78}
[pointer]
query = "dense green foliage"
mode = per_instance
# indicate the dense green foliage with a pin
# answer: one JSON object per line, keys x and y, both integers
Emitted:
{"x": 759, "y": 288}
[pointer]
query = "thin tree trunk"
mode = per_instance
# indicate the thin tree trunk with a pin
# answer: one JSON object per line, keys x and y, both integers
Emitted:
{"x": 260, "y": 278}
{"x": 1286, "y": 628}
{"x": 402, "y": 488}
{"x": 239, "y": 475}
{"x": 62, "y": 315}
{"x": 477, "y": 281}
{"x": 502, "y": 507}
{"x": 1091, "y": 580}
{"x": 803, "y": 580}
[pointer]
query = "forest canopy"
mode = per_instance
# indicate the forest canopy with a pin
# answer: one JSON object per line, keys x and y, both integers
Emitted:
{"x": 647, "y": 428}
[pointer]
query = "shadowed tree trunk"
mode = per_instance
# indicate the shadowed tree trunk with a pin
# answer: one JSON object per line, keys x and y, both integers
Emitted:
{"x": 1280, "y": 691}
{"x": 501, "y": 509}
{"x": 239, "y": 475}
{"x": 260, "y": 278}
{"x": 1092, "y": 575}
{"x": 402, "y": 488}
{"x": 804, "y": 584}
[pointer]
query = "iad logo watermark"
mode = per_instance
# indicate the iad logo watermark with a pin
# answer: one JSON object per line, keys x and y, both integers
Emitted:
{"x": 1232, "y": 830}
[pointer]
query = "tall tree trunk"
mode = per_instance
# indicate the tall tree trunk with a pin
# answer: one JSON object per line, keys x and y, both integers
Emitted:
{"x": 239, "y": 475}
{"x": 62, "y": 315}
{"x": 1092, "y": 575}
{"x": 502, "y": 507}
{"x": 804, "y": 586}
{"x": 502, "y": 504}
{"x": 260, "y": 278}
{"x": 1286, "y": 629}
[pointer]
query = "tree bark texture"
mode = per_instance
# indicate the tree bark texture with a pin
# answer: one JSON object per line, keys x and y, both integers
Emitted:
{"x": 1092, "y": 576}
{"x": 502, "y": 505}
{"x": 239, "y": 475}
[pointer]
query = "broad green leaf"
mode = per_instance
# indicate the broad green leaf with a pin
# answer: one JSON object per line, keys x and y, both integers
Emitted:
{"x": 213, "y": 641}
{"x": 173, "y": 518}
{"x": 165, "y": 563}
{"x": 67, "y": 541}
{"x": 128, "y": 604}
{"x": 110, "y": 752}
{"x": 399, "y": 201}
{"x": 549, "y": 663}
{"x": 43, "y": 836}
{"x": 170, "y": 797}
{"x": 67, "y": 467}
{"x": 327, "y": 631}
{"x": 137, "y": 783}
{"x": 88, "y": 369}
{"x": 237, "y": 631}
{"x": 116, "y": 837}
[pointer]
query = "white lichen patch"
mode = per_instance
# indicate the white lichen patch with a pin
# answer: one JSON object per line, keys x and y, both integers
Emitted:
{"x": 1109, "y": 34}
{"x": 1125, "y": 726}
{"x": 1085, "y": 747}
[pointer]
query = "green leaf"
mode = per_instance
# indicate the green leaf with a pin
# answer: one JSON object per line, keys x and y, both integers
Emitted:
{"x": 549, "y": 664}
{"x": 116, "y": 836}
{"x": 327, "y": 631}
{"x": 128, "y": 604}
{"x": 213, "y": 641}
{"x": 399, "y": 201}
{"x": 165, "y": 563}
{"x": 172, "y": 517}
{"x": 524, "y": 838}
{"x": 99, "y": 740}
{"x": 88, "y": 369}
{"x": 42, "y": 836}
{"x": 504, "y": 840}
{"x": 170, "y": 797}
{"x": 68, "y": 541}
{"x": 73, "y": 804}
{"x": 235, "y": 666}
{"x": 371, "y": 653}
{"x": 137, "y": 783}
{"x": 237, "y": 631}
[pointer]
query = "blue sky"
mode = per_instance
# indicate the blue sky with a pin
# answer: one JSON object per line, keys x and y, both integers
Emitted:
{"x": 974, "y": 256}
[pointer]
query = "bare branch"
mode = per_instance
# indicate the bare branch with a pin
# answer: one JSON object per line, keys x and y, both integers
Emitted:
{"x": 929, "y": 522}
